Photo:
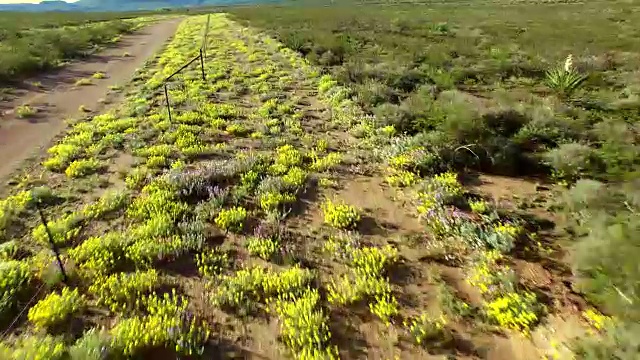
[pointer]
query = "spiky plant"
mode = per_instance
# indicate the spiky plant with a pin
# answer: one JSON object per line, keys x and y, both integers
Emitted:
{"x": 565, "y": 80}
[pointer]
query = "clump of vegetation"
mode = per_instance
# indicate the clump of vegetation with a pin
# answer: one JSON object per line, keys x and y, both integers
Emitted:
{"x": 565, "y": 80}
{"x": 426, "y": 328}
{"x": 515, "y": 311}
{"x": 385, "y": 307}
{"x": 231, "y": 219}
{"x": 63, "y": 230}
{"x": 304, "y": 326}
{"x": 56, "y": 308}
{"x": 165, "y": 326}
{"x": 26, "y": 111}
{"x": 327, "y": 162}
{"x": 80, "y": 168}
{"x": 212, "y": 262}
{"x": 34, "y": 347}
{"x": 340, "y": 216}
{"x": 109, "y": 202}
{"x": 121, "y": 291}
{"x": 242, "y": 290}
{"x": 15, "y": 278}
{"x": 83, "y": 82}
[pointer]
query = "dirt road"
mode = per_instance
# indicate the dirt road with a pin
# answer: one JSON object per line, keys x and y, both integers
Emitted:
{"x": 57, "y": 98}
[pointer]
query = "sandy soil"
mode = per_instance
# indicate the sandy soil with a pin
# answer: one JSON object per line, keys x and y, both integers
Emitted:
{"x": 58, "y": 98}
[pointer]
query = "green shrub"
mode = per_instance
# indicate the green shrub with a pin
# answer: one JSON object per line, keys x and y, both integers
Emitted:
{"x": 80, "y": 168}
{"x": 425, "y": 328}
{"x": 33, "y": 348}
{"x": 165, "y": 327}
{"x": 137, "y": 177}
{"x": 156, "y": 162}
{"x": 56, "y": 308}
{"x": 385, "y": 307}
{"x": 340, "y": 216}
{"x": 330, "y": 161}
{"x": 83, "y": 82}
{"x": 270, "y": 201}
{"x": 295, "y": 178}
{"x": 373, "y": 93}
{"x": 63, "y": 230}
{"x": 98, "y": 256}
{"x": 264, "y": 248}
{"x": 354, "y": 287}
{"x": 565, "y": 80}
{"x": 212, "y": 262}
{"x": 607, "y": 225}
{"x": 8, "y": 250}
{"x": 12, "y": 206}
{"x": 304, "y": 326}
{"x": 93, "y": 345}
{"x": 616, "y": 341}
{"x": 247, "y": 286}
{"x": 231, "y": 219}
{"x": 122, "y": 291}
{"x": 15, "y": 277}
{"x": 515, "y": 312}
{"x": 157, "y": 199}
{"x": 25, "y": 111}
{"x": 572, "y": 161}
{"x": 61, "y": 156}
{"x": 372, "y": 261}
{"x": 393, "y": 115}
{"x": 109, "y": 202}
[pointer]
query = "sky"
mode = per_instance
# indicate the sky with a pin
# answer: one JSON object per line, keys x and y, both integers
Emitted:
{"x": 26, "y": 1}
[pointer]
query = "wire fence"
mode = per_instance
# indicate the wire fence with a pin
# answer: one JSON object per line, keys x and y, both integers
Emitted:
{"x": 201, "y": 56}
{"x": 41, "y": 216}
{"x": 21, "y": 313}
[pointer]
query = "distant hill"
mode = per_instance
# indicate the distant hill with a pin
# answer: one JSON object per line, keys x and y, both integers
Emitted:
{"x": 121, "y": 5}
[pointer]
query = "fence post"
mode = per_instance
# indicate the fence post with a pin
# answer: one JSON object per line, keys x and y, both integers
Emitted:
{"x": 53, "y": 243}
{"x": 166, "y": 96}
{"x": 202, "y": 65}
{"x": 204, "y": 38}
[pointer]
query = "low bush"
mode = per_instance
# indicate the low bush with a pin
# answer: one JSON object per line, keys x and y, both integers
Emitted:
{"x": 80, "y": 168}
{"x": 56, "y": 308}
{"x": 122, "y": 291}
{"x": 305, "y": 328}
{"x": 519, "y": 312}
{"x": 34, "y": 348}
{"x": 607, "y": 224}
{"x": 231, "y": 219}
{"x": 63, "y": 230}
{"x": 340, "y": 216}
{"x": 426, "y": 328}
{"x": 212, "y": 262}
{"x": 15, "y": 276}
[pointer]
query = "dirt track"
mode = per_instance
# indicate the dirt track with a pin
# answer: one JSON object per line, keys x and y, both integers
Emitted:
{"x": 59, "y": 99}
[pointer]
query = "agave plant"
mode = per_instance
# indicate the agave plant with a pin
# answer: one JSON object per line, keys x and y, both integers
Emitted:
{"x": 565, "y": 80}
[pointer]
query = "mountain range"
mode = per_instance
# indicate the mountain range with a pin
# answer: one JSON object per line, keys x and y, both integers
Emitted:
{"x": 117, "y": 5}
